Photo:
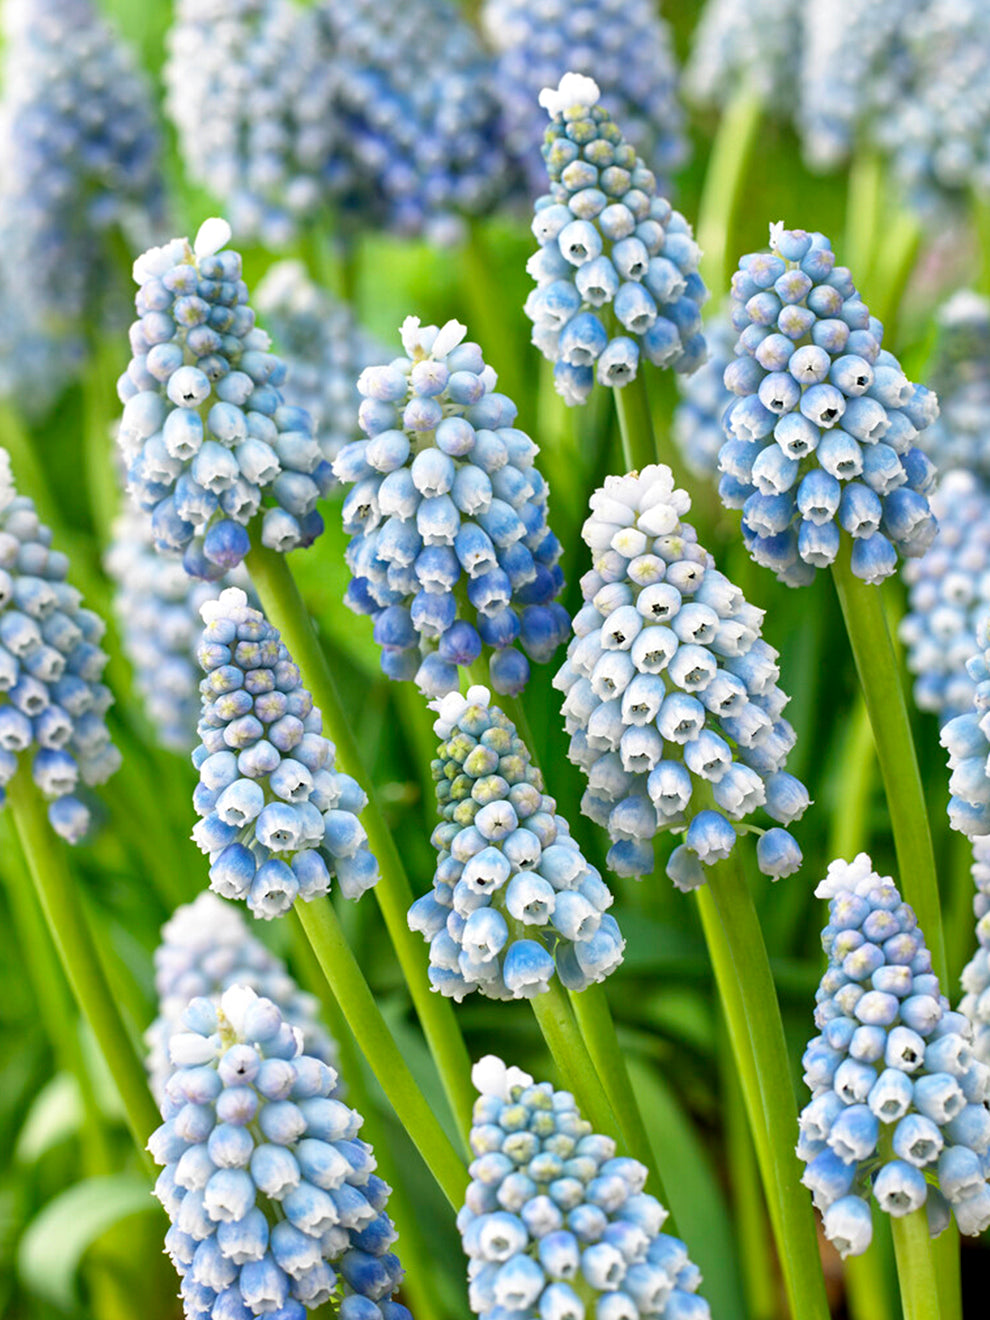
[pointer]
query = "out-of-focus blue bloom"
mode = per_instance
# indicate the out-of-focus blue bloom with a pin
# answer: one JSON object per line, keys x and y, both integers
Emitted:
{"x": 966, "y": 738}
{"x": 554, "y": 1222}
{"x": 278, "y": 821}
{"x": 746, "y": 43}
{"x": 698, "y": 417}
{"x": 891, "y": 1063}
{"x": 205, "y": 949}
{"x": 513, "y": 900}
{"x": 617, "y": 269}
{"x": 624, "y": 44}
{"x": 820, "y": 439}
{"x": 671, "y": 696}
{"x": 960, "y": 435}
{"x": 450, "y": 550}
{"x": 274, "y": 1202}
{"x": 208, "y": 439}
{"x": 52, "y": 703}
{"x": 975, "y": 1002}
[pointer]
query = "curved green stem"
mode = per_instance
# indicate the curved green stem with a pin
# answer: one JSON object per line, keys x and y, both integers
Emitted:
{"x": 850, "y": 813}
{"x": 865, "y": 207}
{"x": 284, "y": 607}
{"x": 915, "y": 1267}
{"x": 560, "y": 1031}
{"x": 632, "y": 407}
{"x": 894, "y": 265}
{"x": 731, "y": 153}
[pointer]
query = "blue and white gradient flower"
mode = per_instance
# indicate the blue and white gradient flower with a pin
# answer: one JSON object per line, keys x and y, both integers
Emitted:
{"x": 966, "y": 738}
{"x": 975, "y": 1002}
{"x": 205, "y": 949}
{"x": 274, "y": 1202}
{"x": 624, "y": 44}
{"x": 450, "y": 550}
{"x": 898, "y": 1098}
{"x": 514, "y": 902}
{"x": 960, "y": 373}
{"x": 208, "y": 440}
{"x": 697, "y": 425}
{"x": 617, "y": 268}
{"x": 555, "y": 1225}
{"x": 53, "y": 705}
{"x": 671, "y": 697}
{"x": 821, "y": 437}
{"x": 278, "y": 821}
{"x": 743, "y": 45}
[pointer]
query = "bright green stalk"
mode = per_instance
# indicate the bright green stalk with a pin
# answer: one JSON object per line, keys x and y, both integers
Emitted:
{"x": 915, "y": 1266}
{"x": 880, "y": 678}
{"x": 632, "y": 407}
{"x": 870, "y": 1293}
{"x": 731, "y": 154}
{"x": 981, "y": 222}
{"x": 284, "y": 608}
{"x": 73, "y": 938}
{"x": 351, "y": 990}
{"x": 849, "y": 834}
{"x": 894, "y": 265}
{"x": 99, "y": 460}
{"x": 552, "y": 1011}
{"x": 865, "y": 209}
{"x": 488, "y": 323}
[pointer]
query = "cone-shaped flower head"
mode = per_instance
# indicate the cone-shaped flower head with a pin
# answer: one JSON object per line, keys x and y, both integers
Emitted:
{"x": 741, "y": 44}
{"x": 617, "y": 269}
{"x": 698, "y": 417}
{"x": 820, "y": 439}
{"x": 273, "y": 1198}
{"x": 898, "y": 1101}
{"x": 450, "y": 550}
{"x": 250, "y": 94}
{"x": 278, "y": 820}
{"x": 52, "y": 703}
{"x": 967, "y": 740}
{"x": 975, "y": 1002}
{"x": 626, "y": 46}
{"x": 206, "y": 948}
{"x": 206, "y": 434}
{"x": 513, "y": 899}
{"x": 960, "y": 435}
{"x": 324, "y": 348}
{"x": 671, "y": 697}
{"x": 555, "y": 1224}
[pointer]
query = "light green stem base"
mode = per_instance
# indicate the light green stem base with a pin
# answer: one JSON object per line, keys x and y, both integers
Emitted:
{"x": 730, "y": 156}
{"x": 632, "y": 407}
{"x": 915, "y": 1267}
{"x": 560, "y": 1031}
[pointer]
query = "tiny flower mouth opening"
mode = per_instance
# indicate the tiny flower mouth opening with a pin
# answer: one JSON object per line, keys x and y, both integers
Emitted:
{"x": 922, "y": 1151}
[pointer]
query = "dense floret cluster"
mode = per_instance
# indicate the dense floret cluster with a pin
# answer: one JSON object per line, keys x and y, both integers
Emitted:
{"x": 617, "y": 268}
{"x": 960, "y": 435}
{"x": 450, "y": 550}
{"x": 697, "y": 425}
{"x": 898, "y": 1102}
{"x": 975, "y": 1002}
{"x": 966, "y": 738}
{"x": 671, "y": 697}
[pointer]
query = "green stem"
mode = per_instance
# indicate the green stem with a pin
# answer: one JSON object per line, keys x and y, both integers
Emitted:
{"x": 283, "y": 605}
{"x": 865, "y": 208}
{"x": 894, "y": 266}
{"x": 850, "y": 833}
{"x": 632, "y": 407}
{"x": 351, "y": 990}
{"x": 99, "y": 459}
{"x": 915, "y": 1266}
{"x": 73, "y": 938}
{"x": 560, "y": 1031}
{"x": 870, "y": 1293}
{"x": 749, "y": 1001}
{"x": 488, "y": 323}
{"x": 981, "y": 221}
{"x": 731, "y": 153}
{"x": 880, "y": 678}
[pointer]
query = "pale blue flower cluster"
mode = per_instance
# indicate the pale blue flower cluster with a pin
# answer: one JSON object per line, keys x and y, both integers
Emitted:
{"x": 671, "y": 697}
{"x": 513, "y": 900}
{"x": 743, "y": 45}
{"x": 555, "y": 1225}
{"x": 324, "y": 349}
{"x": 898, "y": 1102}
{"x": 450, "y": 550}
{"x": 966, "y": 738}
{"x": 274, "y": 1202}
{"x": 821, "y": 438}
{"x": 207, "y": 438}
{"x": 975, "y": 1002}
{"x": 205, "y": 949}
{"x": 52, "y": 703}
{"x": 697, "y": 425}
{"x": 617, "y": 268}
{"x": 960, "y": 374}
{"x": 625, "y": 44}
{"x": 278, "y": 821}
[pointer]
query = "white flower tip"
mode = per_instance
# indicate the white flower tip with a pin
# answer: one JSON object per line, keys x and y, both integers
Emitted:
{"x": 234, "y": 1004}
{"x": 448, "y": 337}
{"x": 230, "y": 599}
{"x": 490, "y": 1076}
{"x": 6, "y": 479}
{"x": 409, "y": 334}
{"x": 777, "y": 227}
{"x": 573, "y": 89}
{"x": 844, "y": 875}
{"x": 478, "y": 695}
{"x": 213, "y": 235}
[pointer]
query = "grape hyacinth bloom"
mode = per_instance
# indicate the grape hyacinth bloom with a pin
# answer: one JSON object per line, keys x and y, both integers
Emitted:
{"x": 279, "y": 822}
{"x": 966, "y": 738}
{"x": 273, "y": 1198}
{"x": 554, "y": 1223}
{"x": 205, "y": 949}
{"x": 820, "y": 438}
{"x": 898, "y": 1101}
{"x": 324, "y": 348}
{"x": 975, "y": 1002}
{"x": 671, "y": 698}
{"x": 513, "y": 899}
{"x": 697, "y": 425}
{"x": 960, "y": 374}
{"x": 617, "y": 268}
{"x": 625, "y": 44}
{"x": 207, "y": 437}
{"x": 450, "y": 550}
{"x": 746, "y": 44}
{"x": 52, "y": 703}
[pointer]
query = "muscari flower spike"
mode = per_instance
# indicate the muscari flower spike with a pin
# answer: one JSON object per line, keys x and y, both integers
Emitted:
{"x": 279, "y": 822}
{"x": 450, "y": 550}
{"x": 820, "y": 439}
{"x": 898, "y": 1100}
{"x": 975, "y": 1003}
{"x": 697, "y": 427}
{"x": 273, "y": 1198}
{"x": 205, "y": 949}
{"x": 52, "y": 702}
{"x": 207, "y": 437}
{"x": 671, "y": 698}
{"x": 624, "y": 43}
{"x": 554, "y": 1223}
{"x": 960, "y": 375}
{"x": 513, "y": 899}
{"x": 966, "y": 738}
{"x": 746, "y": 44}
{"x": 617, "y": 267}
